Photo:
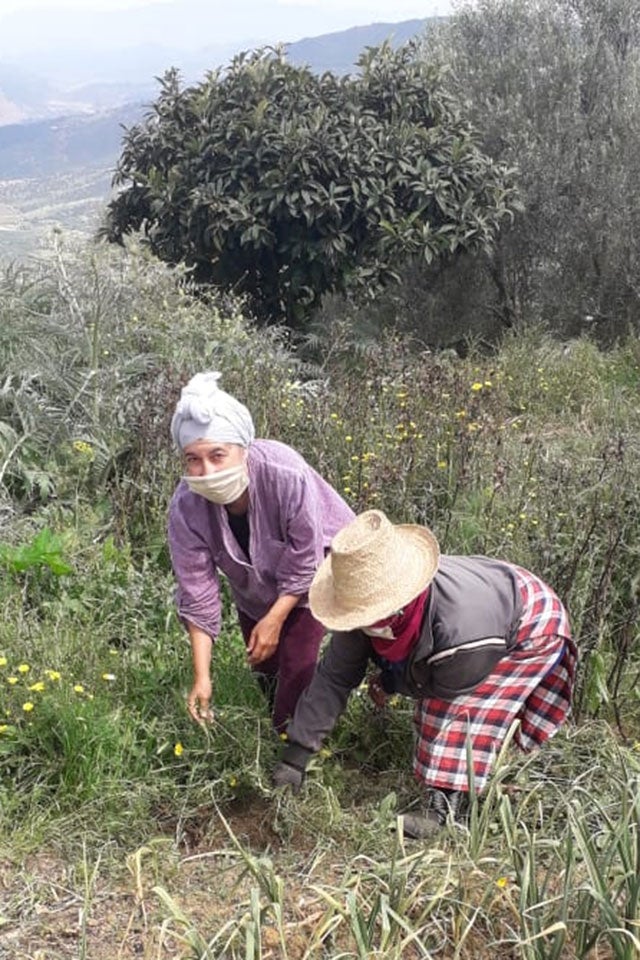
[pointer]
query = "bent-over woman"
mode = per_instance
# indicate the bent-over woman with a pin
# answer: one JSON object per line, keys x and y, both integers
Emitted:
{"x": 257, "y": 512}
{"x": 478, "y": 643}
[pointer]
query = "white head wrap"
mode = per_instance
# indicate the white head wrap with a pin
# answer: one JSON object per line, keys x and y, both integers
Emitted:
{"x": 205, "y": 412}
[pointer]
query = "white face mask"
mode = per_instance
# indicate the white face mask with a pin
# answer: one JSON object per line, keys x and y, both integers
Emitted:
{"x": 222, "y": 487}
{"x": 384, "y": 633}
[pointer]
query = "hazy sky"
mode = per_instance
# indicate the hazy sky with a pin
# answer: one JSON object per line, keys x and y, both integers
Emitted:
{"x": 366, "y": 10}
{"x": 78, "y": 41}
{"x": 8, "y": 6}
{"x": 236, "y": 20}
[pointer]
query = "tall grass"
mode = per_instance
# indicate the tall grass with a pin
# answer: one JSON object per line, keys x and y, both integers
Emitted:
{"x": 533, "y": 888}
{"x": 531, "y": 453}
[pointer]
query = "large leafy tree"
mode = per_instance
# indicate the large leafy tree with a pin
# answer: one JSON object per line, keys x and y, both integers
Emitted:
{"x": 275, "y": 182}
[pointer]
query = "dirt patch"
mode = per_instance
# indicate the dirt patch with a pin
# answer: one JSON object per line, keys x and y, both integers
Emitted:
{"x": 165, "y": 900}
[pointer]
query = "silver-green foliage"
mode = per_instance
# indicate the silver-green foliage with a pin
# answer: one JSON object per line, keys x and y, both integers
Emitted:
{"x": 554, "y": 88}
{"x": 95, "y": 344}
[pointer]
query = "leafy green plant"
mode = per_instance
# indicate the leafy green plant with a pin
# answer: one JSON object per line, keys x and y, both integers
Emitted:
{"x": 45, "y": 551}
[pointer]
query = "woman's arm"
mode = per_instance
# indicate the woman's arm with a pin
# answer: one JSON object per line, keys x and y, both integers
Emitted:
{"x": 341, "y": 669}
{"x": 265, "y": 636}
{"x": 199, "y": 699}
{"x": 197, "y": 585}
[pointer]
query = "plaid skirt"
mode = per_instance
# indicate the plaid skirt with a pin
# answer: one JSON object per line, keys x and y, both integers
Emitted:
{"x": 531, "y": 684}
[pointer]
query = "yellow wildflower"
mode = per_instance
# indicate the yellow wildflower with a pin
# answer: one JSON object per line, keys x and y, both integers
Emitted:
{"x": 38, "y": 687}
{"x": 78, "y": 688}
{"x": 283, "y": 736}
{"x": 476, "y": 386}
{"x": 27, "y": 707}
{"x": 53, "y": 674}
{"x": 233, "y": 782}
{"x": 24, "y": 668}
{"x": 178, "y": 750}
{"x": 3, "y": 661}
{"x": 108, "y": 676}
{"x": 81, "y": 446}
{"x": 442, "y": 464}
{"x": 501, "y": 882}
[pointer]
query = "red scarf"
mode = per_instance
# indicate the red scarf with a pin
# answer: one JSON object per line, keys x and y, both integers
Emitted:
{"x": 405, "y": 627}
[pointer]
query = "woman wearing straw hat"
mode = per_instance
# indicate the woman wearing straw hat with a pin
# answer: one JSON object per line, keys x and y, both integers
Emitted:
{"x": 478, "y": 642}
{"x": 257, "y": 512}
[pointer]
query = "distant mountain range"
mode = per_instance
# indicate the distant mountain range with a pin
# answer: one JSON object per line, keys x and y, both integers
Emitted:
{"x": 338, "y": 52}
{"x": 47, "y": 147}
{"x": 87, "y": 127}
{"x": 26, "y": 96}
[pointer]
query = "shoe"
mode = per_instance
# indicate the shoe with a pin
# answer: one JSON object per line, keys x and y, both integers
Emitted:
{"x": 420, "y": 826}
{"x": 427, "y": 822}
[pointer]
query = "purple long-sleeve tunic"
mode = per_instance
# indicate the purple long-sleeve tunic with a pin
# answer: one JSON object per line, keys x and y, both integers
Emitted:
{"x": 293, "y": 516}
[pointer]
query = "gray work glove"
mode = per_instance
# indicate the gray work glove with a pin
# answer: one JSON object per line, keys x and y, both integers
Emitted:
{"x": 289, "y": 771}
{"x": 284, "y": 775}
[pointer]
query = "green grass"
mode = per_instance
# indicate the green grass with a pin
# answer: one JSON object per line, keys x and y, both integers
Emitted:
{"x": 127, "y": 831}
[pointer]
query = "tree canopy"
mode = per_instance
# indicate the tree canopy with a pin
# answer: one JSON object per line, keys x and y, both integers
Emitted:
{"x": 554, "y": 88}
{"x": 275, "y": 182}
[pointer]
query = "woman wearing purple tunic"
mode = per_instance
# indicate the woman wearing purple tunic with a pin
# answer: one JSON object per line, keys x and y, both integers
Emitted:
{"x": 255, "y": 511}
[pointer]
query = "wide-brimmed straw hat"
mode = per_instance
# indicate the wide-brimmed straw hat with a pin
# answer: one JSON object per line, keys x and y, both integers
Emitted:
{"x": 373, "y": 569}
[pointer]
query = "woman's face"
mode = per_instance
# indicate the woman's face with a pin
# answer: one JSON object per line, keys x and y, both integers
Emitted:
{"x": 203, "y": 457}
